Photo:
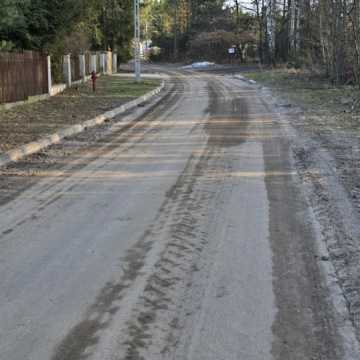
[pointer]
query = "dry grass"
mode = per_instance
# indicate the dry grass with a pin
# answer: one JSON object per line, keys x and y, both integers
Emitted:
{"x": 27, "y": 123}
{"x": 338, "y": 106}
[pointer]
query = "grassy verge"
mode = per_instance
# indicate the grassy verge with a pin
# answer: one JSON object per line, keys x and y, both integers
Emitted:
{"x": 312, "y": 92}
{"x": 28, "y": 122}
{"x": 123, "y": 87}
{"x": 327, "y": 107}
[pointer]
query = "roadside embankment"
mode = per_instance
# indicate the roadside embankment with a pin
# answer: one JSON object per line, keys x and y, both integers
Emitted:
{"x": 27, "y": 123}
{"x": 118, "y": 96}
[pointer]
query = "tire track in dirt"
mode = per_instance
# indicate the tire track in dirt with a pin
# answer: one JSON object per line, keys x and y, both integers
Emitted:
{"x": 175, "y": 224}
{"x": 155, "y": 318}
{"x": 160, "y": 315}
{"x": 83, "y": 337}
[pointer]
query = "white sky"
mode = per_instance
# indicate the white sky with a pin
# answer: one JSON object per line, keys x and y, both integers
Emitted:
{"x": 246, "y": 3}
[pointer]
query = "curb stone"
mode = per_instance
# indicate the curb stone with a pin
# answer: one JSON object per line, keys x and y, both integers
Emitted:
{"x": 35, "y": 146}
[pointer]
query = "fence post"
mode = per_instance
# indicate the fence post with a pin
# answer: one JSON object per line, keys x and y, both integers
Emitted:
{"x": 93, "y": 63}
{"x": 102, "y": 63}
{"x": 114, "y": 63}
{"x": 109, "y": 62}
{"x": 67, "y": 70}
{"x": 82, "y": 66}
{"x": 49, "y": 74}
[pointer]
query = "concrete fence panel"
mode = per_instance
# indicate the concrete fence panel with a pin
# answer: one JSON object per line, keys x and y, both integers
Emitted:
{"x": 82, "y": 66}
{"x": 109, "y": 68}
{"x": 93, "y": 63}
{"x": 102, "y": 63}
{"x": 75, "y": 68}
{"x": 67, "y": 69}
{"x": 114, "y": 63}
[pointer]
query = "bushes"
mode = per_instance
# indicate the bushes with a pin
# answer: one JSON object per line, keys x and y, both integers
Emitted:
{"x": 213, "y": 46}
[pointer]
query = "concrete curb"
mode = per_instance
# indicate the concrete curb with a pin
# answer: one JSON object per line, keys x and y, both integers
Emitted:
{"x": 35, "y": 146}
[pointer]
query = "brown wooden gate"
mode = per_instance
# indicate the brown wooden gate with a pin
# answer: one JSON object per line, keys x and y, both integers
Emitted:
{"x": 22, "y": 75}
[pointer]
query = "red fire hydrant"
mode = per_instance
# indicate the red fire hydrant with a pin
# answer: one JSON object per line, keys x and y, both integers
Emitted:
{"x": 93, "y": 79}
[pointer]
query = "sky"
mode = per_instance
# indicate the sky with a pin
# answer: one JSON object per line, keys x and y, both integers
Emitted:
{"x": 246, "y": 3}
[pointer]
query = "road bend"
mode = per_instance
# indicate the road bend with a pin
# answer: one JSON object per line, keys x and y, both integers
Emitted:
{"x": 184, "y": 236}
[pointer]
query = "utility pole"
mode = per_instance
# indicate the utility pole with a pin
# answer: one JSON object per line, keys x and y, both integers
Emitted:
{"x": 176, "y": 46}
{"x": 137, "y": 40}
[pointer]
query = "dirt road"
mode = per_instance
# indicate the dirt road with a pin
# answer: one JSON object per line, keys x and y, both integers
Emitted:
{"x": 181, "y": 232}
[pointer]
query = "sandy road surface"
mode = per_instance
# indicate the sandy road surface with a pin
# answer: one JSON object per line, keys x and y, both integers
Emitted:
{"x": 184, "y": 235}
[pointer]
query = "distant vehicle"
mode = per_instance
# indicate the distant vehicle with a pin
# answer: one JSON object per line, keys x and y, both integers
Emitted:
{"x": 199, "y": 65}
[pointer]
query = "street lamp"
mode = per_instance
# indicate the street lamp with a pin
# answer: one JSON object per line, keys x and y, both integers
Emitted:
{"x": 137, "y": 40}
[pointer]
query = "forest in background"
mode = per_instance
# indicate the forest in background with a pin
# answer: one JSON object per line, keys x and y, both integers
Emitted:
{"x": 320, "y": 35}
{"x": 188, "y": 29}
{"x": 67, "y": 26}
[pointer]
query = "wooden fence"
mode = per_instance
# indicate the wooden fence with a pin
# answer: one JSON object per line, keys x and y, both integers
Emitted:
{"x": 22, "y": 75}
{"x": 30, "y": 73}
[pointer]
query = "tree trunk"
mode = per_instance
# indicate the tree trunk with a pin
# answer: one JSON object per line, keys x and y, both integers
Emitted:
{"x": 271, "y": 30}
